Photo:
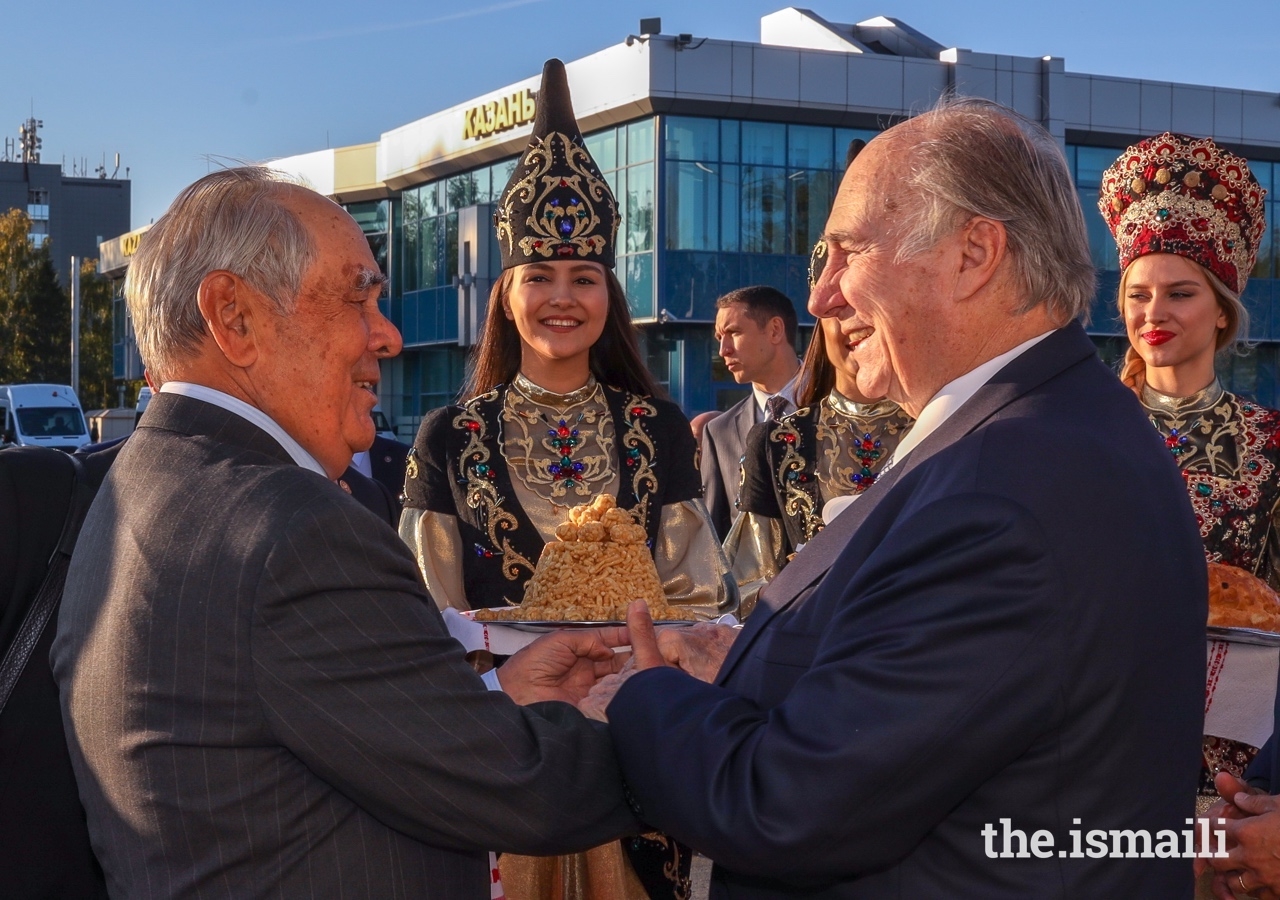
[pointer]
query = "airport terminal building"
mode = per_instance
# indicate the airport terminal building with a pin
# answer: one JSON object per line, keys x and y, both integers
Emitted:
{"x": 725, "y": 157}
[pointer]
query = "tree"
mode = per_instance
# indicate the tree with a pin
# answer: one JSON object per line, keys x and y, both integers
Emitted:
{"x": 97, "y": 383}
{"x": 35, "y": 318}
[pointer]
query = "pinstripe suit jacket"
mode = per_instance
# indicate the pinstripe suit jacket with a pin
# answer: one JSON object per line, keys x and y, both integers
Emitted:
{"x": 261, "y": 699}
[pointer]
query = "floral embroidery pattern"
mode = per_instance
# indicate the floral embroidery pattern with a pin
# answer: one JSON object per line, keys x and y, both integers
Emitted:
{"x": 563, "y": 221}
{"x": 1226, "y": 449}
{"x": 477, "y": 473}
{"x": 638, "y": 453}
{"x": 795, "y": 475}
{"x": 536, "y": 454}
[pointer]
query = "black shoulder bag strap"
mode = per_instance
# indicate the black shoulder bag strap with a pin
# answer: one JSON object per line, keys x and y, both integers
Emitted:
{"x": 50, "y": 594}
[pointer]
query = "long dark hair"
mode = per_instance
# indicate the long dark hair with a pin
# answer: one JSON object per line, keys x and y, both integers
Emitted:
{"x": 615, "y": 357}
{"x": 817, "y": 376}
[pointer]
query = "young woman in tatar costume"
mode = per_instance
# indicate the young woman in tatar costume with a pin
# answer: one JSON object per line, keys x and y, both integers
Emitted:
{"x": 558, "y": 408}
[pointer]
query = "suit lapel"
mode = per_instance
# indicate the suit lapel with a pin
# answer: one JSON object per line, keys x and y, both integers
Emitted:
{"x": 746, "y": 419}
{"x": 1059, "y": 351}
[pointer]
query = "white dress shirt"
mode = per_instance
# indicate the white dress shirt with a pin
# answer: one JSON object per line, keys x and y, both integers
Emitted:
{"x": 943, "y": 405}
{"x": 361, "y": 463}
{"x": 251, "y": 414}
{"x": 763, "y": 397}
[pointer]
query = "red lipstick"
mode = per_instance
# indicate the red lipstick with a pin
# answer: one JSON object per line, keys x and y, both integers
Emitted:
{"x": 1155, "y": 337}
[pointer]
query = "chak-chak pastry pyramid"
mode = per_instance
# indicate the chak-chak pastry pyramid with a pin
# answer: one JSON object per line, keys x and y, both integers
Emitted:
{"x": 591, "y": 572}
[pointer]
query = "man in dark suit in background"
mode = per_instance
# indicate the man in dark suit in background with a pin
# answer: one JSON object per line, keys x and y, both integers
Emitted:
{"x": 260, "y": 697}
{"x": 756, "y": 328}
{"x": 998, "y": 644}
{"x": 384, "y": 462}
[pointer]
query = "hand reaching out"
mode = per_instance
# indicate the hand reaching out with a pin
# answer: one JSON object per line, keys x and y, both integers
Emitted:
{"x": 644, "y": 655}
{"x": 698, "y": 650}
{"x": 562, "y": 665}
{"x": 1252, "y": 866}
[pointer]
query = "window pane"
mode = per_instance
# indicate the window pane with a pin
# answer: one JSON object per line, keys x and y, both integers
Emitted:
{"x": 429, "y": 270}
{"x": 730, "y": 197}
{"x": 449, "y": 264}
{"x": 411, "y": 237}
{"x": 1091, "y": 162}
{"x": 693, "y": 206}
{"x": 843, "y": 137}
{"x": 640, "y": 286}
{"x": 1269, "y": 246}
{"x": 1262, "y": 171}
{"x": 764, "y": 143}
{"x": 499, "y": 175}
{"x": 809, "y": 147}
{"x": 764, "y": 200}
{"x": 809, "y": 203}
{"x": 460, "y": 191}
{"x": 639, "y": 217}
{"x": 729, "y": 140}
{"x": 603, "y": 147}
{"x": 693, "y": 138}
{"x": 640, "y": 141}
{"x": 1101, "y": 245}
{"x": 617, "y": 181}
{"x": 371, "y": 216}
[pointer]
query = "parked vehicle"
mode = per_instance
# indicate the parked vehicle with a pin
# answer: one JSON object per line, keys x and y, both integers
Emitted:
{"x": 144, "y": 397}
{"x": 382, "y": 425}
{"x": 43, "y": 415}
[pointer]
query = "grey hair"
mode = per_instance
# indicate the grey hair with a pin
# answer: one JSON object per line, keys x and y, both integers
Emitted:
{"x": 232, "y": 220}
{"x": 971, "y": 157}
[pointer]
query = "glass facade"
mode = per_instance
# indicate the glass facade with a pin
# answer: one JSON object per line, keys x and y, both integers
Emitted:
{"x": 710, "y": 205}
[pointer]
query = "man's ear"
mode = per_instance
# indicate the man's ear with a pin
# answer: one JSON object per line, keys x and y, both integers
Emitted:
{"x": 984, "y": 245}
{"x": 777, "y": 330}
{"x": 227, "y": 307}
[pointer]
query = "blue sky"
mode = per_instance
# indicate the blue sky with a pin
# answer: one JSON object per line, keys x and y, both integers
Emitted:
{"x": 171, "y": 85}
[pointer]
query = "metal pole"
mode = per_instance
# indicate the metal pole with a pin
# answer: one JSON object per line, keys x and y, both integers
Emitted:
{"x": 75, "y": 325}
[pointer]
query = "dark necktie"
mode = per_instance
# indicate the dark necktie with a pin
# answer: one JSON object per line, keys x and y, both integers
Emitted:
{"x": 776, "y": 407}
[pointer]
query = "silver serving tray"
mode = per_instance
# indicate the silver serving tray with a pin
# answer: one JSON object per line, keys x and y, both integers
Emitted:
{"x": 1243, "y": 636}
{"x": 538, "y": 626}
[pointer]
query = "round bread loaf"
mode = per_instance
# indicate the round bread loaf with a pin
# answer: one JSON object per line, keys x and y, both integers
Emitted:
{"x": 1240, "y": 600}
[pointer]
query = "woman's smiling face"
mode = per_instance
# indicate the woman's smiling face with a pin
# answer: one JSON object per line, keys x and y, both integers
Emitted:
{"x": 1171, "y": 313}
{"x": 559, "y": 309}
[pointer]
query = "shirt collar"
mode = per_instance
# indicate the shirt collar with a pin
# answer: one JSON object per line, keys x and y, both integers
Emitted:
{"x": 249, "y": 413}
{"x": 954, "y": 395}
{"x": 763, "y": 397}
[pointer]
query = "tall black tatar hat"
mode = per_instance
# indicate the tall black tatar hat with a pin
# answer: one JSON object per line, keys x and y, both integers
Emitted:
{"x": 557, "y": 204}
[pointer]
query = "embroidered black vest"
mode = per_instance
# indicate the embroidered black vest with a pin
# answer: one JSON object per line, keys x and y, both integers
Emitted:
{"x": 457, "y": 467}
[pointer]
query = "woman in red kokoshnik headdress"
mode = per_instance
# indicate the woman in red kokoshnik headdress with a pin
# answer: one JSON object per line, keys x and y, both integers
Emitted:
{"x": 1187, "y": 217}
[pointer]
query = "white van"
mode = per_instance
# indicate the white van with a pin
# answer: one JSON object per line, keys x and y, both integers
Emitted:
{"x": 144, "y": 397}
{"x": 42, "y": 415}
{"x": 382, "y": 426}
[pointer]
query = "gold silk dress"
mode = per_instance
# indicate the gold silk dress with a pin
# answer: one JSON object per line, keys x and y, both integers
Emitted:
{"x": 792, "y": 468}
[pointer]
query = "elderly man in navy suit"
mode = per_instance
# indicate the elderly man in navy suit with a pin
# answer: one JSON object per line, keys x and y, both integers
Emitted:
{"x": 996, "y": 653}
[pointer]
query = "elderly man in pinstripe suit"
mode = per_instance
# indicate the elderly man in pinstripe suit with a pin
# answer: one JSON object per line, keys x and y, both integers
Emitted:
{"x": 260, "y": 697}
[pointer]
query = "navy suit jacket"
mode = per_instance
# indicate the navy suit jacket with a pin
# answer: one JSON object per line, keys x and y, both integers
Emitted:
{"x": 1008, "y": 625}
{"x": 387, "y": 461}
